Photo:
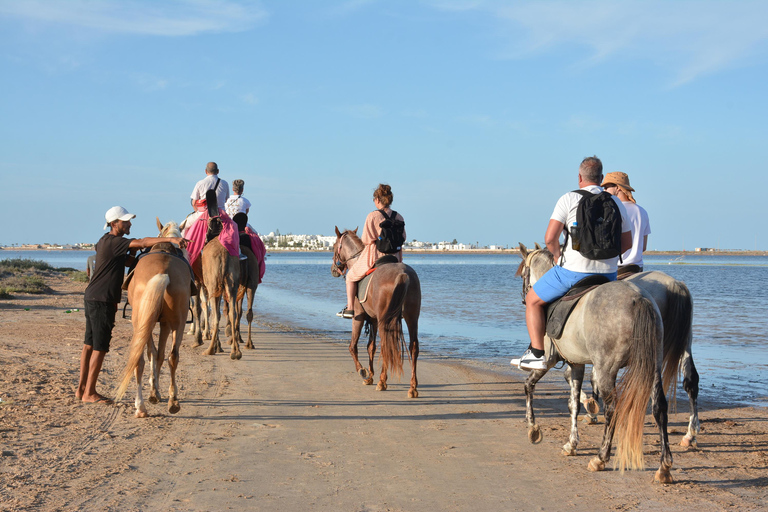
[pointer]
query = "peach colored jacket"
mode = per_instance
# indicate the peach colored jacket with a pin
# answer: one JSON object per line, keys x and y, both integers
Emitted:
{"x": 370, "y": 254}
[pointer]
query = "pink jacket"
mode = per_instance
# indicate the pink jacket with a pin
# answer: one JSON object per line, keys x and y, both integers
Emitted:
{"x": 369, "y": 236}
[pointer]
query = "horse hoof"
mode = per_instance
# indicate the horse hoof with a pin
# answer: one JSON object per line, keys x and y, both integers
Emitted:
{"x": 250, "y": 346}
{"x": 592, "y": 406}
{"x": 590, "y": 420}
{"x": 663, "y": 476}
{"x": 596, "y": 464}
{"x": 153, "y": 399}
{"x": 363, "y": 373}
{"x": 568, "y": 450}
{"x": 141, "y": 414}
{"x": 412, "y": 393}
{"x": 689, "y": 442}
{"x": 174, "y": 407}
{"x": 381, "y": 387}
{"x": 534, "y": 435}
{"x": 208, "y": 352}
{"x": 368, "y": 382}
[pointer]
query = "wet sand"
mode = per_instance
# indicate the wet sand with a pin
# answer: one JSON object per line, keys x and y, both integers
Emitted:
{"x": 292, "y": 427}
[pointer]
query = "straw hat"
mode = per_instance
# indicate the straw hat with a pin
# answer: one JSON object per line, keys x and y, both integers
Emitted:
{"x": 621, "y": 180}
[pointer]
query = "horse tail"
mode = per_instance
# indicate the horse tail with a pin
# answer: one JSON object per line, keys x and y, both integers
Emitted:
{"x": 392, "y": 339}
{"x": 635, "y": 387}
{"x": 678, "y": 331}
{"x": 147, "y": 312}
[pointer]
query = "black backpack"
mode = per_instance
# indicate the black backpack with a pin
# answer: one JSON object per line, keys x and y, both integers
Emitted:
{"x": 391, "y": 238}
{"x": 597, "y": 234}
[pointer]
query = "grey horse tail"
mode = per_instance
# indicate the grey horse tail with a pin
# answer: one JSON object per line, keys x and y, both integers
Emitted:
{"x": 147, "y": 312}
{"x": 634, "y": 390}
{"x": 678, "y": 322}
{"x": 392, "y": 339}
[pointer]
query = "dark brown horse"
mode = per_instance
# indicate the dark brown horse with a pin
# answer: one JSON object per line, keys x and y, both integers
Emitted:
{"x": 394, "y": 294}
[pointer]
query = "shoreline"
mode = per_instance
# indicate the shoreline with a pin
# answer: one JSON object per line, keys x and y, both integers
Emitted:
{"x": 514, "y": 251}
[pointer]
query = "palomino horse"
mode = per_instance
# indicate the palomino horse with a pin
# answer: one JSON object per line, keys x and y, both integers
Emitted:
{"x": 394, "y": 294}
{"x": 613, "y": 326}
{"x": 249, "y": 281}
{"x": 220, "y": 277}
{"x": 676, "y": 306}
{"x": 159, "y": 291}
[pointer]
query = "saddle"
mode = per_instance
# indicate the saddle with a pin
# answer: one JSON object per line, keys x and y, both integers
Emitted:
{"x": 165, "y": 248}
{"x": 628, "y": 270}
{"x": 362, "y": 286}
{"x": 558, "y": 311}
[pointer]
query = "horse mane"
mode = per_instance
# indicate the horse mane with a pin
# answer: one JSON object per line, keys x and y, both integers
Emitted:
{"x": 352, "y": 234}
{"x": 171, "y": 229}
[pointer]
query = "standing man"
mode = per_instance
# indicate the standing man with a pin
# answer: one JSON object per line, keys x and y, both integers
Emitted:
{"x": 575, "y": 267}
{"x": 617, "y": 183}
{"x": 103, "y": 294}
{"x": 210, "y": 182}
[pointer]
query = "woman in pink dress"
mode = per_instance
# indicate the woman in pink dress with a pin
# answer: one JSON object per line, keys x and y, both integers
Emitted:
{"x": 382, "y": 199}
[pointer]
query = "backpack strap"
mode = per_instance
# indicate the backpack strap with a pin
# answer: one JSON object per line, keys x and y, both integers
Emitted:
{"x": 388, "y": 217}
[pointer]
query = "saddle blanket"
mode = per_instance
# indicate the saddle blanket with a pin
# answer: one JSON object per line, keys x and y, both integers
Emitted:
{"x": 558, "y": 311}
{"x": 228, "y": 237}
{"x": 362, "y": 285}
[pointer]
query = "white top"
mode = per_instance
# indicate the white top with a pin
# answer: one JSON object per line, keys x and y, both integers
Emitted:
{"x": 236, "y": 204}
{"x": 565, "y": 212}
{"x": 206, "y": 184}
{"x": 641, "y": 227}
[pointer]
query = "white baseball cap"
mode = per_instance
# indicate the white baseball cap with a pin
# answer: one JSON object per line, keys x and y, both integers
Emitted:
{"x": 117, "y": 213}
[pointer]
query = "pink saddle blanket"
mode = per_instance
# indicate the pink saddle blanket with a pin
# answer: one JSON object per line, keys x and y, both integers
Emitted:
{"x": 228, "y": 237}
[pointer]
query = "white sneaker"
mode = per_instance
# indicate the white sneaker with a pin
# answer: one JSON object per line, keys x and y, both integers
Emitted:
{"x": 531, "y": 362}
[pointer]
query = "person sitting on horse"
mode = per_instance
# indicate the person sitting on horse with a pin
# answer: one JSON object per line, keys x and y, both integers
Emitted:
{"x": 103, "y": 294}
{"x": 382, "y": 199}
{"x": 617, "y": 184}
{"x": 210, "y": 182}
{"x": 236, "y": 202}
{"x": 575, "y": 267}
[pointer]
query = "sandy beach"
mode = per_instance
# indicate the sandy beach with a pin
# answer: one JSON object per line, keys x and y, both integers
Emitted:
{"x": 292, "y": 427}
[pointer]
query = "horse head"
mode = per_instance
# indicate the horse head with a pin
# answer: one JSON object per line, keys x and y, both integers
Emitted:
{"x": 170, "y": 229}
{"x": 535, "y": 263}
{"x": 346, "y": 247}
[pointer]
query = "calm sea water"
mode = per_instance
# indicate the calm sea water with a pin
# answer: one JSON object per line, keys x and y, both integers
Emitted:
{"x": 472, "y": 309}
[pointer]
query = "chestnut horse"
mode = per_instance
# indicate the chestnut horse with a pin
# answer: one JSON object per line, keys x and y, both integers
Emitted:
{"x": 159, "y": 291}
{"x": 394, "y": 294}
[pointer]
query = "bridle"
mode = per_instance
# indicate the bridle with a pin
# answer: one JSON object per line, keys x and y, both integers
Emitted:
{"x": 339, "y": 265}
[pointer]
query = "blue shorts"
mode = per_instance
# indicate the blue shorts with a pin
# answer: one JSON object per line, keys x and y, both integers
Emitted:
{"x": 557, "y": 281}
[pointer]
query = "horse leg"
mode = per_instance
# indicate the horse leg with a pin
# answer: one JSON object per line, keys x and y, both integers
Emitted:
{"x": 534, "y": 432}
{"x": 154, "y": 368}
{"x": 206, "y": 313}
{"x": 371, "y": 349}
{"x": 193, "y": 305}
{"x": 575, "y": 377}
{"x": 214, "y": 325}
{"x": 250, "y": 293}
{"x": 413, "y": 349}
{"x": 590, "y": 402}
{"x": 234, "y": 321}
{"x": 659, "y": 409}
{"x": 173, "y": 363}
{"x": 357, "y": 328}
{"x": 691, "y": 386}
{"x": 606, "y": 385}
{"x": 141, "y": 409}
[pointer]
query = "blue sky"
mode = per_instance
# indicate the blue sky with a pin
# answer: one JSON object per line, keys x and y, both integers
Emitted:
{"x": 476, "y": 112}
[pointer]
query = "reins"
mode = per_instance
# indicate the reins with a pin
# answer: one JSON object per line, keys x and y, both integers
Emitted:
{"x": 341, "y": 266}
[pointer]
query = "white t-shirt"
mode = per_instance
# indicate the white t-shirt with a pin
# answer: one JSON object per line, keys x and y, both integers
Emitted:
{"x": 206, "y": 184}
{"x": 237, "y": 204}
{"x": 641, "y": 227}
{"x": 565, "y": 212}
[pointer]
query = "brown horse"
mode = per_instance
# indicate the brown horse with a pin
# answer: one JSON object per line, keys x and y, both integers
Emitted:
{"x": 394, "y": 294}
{"x": 159, "y": 291}
{"x": 249, "y": 281}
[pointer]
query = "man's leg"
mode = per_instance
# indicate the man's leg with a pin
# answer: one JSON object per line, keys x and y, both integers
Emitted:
{"x": 90, "y": 364}
{"x": 535, "y": 320}
{"x": 85, "y": 362}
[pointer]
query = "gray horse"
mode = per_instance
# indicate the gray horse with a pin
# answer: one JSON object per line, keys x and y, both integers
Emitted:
{"x": 616, "y": 325}
{"x": 676, "y": 306}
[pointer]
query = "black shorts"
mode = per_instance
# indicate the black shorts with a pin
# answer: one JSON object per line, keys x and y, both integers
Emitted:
{"x": 99, "y": 321}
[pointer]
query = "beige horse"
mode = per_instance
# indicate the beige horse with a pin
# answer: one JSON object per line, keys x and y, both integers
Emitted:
{"x": 159, "y": 291}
